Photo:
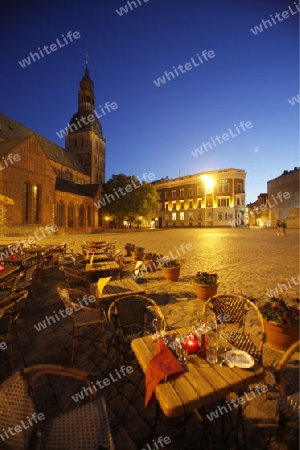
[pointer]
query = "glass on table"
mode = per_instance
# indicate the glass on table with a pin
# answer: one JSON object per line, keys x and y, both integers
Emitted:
{"x": 180, "y": 351}
{"x": 159, "y": 328}
{"x": 212, "y": 347}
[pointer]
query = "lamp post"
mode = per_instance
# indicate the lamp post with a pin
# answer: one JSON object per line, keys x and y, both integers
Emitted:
{"x": 208, "y": 185}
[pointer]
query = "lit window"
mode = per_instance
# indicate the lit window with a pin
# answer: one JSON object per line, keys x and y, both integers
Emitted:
{"x": 190, "y": 203}
{"x": 174, "y": 216}
{"x": 181, "y": 215}
{"x": 219, "y": 216}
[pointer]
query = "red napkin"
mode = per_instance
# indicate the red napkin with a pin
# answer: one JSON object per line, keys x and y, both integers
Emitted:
{"x": 162, "y": 364}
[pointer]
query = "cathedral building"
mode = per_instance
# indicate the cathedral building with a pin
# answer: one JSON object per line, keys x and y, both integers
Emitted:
{"x": 42, "y": 183}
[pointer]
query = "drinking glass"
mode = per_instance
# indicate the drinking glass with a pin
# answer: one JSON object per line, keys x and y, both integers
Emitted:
{"x": 212, "y": 347}
{"x": 158, "y": 325}
{"x": 181, "y": 352}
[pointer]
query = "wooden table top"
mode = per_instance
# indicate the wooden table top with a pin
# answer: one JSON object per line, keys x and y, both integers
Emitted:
{"x": 99, "y": 257}
{"x": 116, "y": 288}
{"x": 18, "y": 259}
{"x": 201, "y": 384}
{"x": 9, "y": 270}
{"x": 109, "y": 266}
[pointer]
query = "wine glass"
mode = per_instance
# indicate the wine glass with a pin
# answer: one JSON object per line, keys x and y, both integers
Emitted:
{"x": 158, "y": 325}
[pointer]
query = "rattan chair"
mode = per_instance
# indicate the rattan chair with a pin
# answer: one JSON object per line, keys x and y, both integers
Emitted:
{"x": 85, "y": 427}
{"x": 75, "y": 278}
{"x": 234, "y": 309}
{"x": 9, "y": 314}
{"x": 130, "y": 317}
{"x": 287, "y": 378}
{"x": 83, "y": 317}
{"x": 11, "y": 284}
{"x": 28, "y": 280}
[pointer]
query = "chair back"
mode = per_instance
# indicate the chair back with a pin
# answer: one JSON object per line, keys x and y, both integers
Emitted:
{"x": 15, "y": 406}
{"x": 16, "y": 281}
{"x": 30, "y": 272}
{"x": 233, "y": 306}
{"x": 287, "y": 373}
{"x": 65, "y": 297}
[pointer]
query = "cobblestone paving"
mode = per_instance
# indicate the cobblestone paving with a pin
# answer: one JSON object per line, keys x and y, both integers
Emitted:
{"x": 249, "y": 262}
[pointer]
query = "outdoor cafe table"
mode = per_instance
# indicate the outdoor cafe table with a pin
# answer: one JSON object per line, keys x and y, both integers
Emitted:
{"x": 201, "y": 384}
{"x": 9, "y": 270}
{"x": 99, "y": 257}
{"x": 108, "y": 267}
{"x": 19, "y": 259}
{"x": 116, "y": 288}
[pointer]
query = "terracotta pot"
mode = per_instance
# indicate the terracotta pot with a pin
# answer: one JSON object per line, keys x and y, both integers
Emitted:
{"x": 281, "y": 336}
{"x": 150, "y": 264}
{"x": 137, "y": 256}
{"x": 205, "y": 291}
{"x": 171, "y": 273}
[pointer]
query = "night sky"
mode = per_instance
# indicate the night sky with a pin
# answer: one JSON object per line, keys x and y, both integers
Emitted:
{"x": 155, "y": 129}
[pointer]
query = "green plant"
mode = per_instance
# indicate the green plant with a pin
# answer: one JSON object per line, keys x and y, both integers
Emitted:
{"x": 205, "y": 278}
{"x": 276, "y": 310}
{"x": 129, "y": 246}
{"x": 167, "y": 263}
{"x": 152, "y": 257}
{"x": 138, "y": 249}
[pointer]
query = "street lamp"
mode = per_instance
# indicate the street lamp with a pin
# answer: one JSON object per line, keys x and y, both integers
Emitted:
{"x": 208, "y": 184}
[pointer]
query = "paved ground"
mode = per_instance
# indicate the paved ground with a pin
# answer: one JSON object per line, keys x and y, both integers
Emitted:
{"x": 249, "y": 262}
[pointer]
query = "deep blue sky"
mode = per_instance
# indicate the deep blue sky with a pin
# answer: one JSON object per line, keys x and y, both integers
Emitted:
{"x": 154, "y": 128}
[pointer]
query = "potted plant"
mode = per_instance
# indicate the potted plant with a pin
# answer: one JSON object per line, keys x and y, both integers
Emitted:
{"x": 170, "y": 269}
{"x": 138, "y": 253}
{"x": 281, "y": 323}
{"x": 151, "y": 261}
{"x": 129, "y": 248}
{"x": 205, "y": 285}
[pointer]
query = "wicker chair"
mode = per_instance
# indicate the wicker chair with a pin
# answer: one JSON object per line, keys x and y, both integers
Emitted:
{"x": 83, "y": 317}
{"x": 85, "y": 427}
{"x": 28, "y": 281}
{"x": 9, "y": 314}
{"x": 131, "y": 317}
{"x": 11, "y": 284}
{"x": 75, "y": 278}
{"x": 288, "y": 386}
{"x": 236, "y": 308}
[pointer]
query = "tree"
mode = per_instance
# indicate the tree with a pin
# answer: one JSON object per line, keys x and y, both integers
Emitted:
{"x": 129, "y": 197}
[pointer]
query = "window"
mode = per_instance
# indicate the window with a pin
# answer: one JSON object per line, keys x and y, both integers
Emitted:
{"x": 238, "y": 201}
{"x": 181, "y": 193}
{"x": 82, "y": 142}
{"x": 174, "y": 206}
{"x": 167, "y": 206}
{"x": 60, "y": 214}
{"x": 199, "y": 215}
{"x": 190, "y": 203}
{"x": 223, "y": 187}
{"x": 208, "y": 204}
{"x": 199, "y": 203}
{"x": 36, "y": 203}
{"x": 223, "y": 201}
{"x": 226, "y": 187}
{"x": 181, "y": 214}
{"x": 174, "y": 216}
{"x": 182, "y": 205}
{"x": 166, "y": 194}
{"x": 70, "y": 215}
{"x": 191, "y": 216}
{"x": 239, "y": 187}
{"x": 26, "y": 202}
{"x": 228, "y": 216}
{"x": 75, "y": 142}
{"x": 190, "y": 191}
{"x": 173, "y": 193}
{"x": 167, "y": 217}
{"x": 198, "y": 190}
{"x": 219, "y": 216}
{"x": 89, "y": 216}
{"x": 81, "y": 216}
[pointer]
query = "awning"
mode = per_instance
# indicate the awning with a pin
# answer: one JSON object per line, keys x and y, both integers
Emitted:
{"x": 6, "y": 200}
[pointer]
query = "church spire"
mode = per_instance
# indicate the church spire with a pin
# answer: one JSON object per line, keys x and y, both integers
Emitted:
{"x": 86, "y": 97}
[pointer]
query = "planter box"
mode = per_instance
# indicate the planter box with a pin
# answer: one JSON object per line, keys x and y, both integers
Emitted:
{"x": 171, "y": 273}
{"x": 205, "y": 291}
{"x": 281, "y": 336}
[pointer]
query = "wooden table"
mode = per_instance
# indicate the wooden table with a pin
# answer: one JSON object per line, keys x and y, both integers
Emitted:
{"x": 19, "y": 259}
{"x": 109, "y": 266}
{"x": 9, "y": 270}
{"x": 98, "y": 257}
{"x": 201, "y": 384}
{"x": 115, "y": 289}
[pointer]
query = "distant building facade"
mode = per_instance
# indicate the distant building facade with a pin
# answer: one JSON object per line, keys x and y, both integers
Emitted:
{"x": 280, "y": 202}
{"x": 211, "y": 198}
{"x": 47, "y": 183}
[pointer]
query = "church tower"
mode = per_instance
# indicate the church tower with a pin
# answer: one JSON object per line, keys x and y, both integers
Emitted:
{"x": 85, "y": 137}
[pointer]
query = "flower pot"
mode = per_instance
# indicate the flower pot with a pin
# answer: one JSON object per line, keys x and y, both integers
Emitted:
{"x": 137, "y": 256}
{"x": 150, "y": 264}
{"x": 205, "y": 291}
{"x": 171, "y": 273}
{"x": 281, "y": 336}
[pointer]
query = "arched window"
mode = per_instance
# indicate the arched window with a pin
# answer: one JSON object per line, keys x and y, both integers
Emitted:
{"x": 89, "y": 216}
{"x": 36, "y": 203}
{"x": 25, "y": 202}
{"x": 70, "y": 215}
{"x": 81, "y": 216}
{"x": 60, "y": 209}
